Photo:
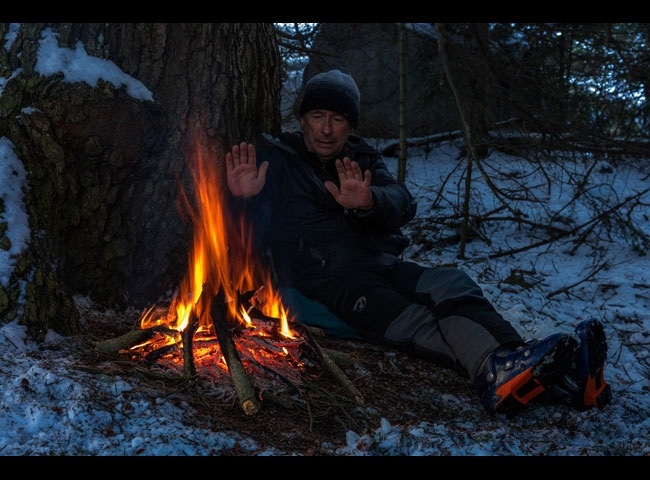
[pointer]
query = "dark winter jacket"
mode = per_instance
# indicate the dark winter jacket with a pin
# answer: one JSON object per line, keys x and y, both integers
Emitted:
{"x": 310, "y": 236}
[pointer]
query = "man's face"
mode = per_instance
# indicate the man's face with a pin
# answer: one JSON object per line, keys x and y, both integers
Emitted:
{"x": 325, "y": 132}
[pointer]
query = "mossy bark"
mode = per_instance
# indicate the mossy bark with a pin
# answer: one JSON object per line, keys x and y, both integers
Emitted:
{"x": 105, "y": 168}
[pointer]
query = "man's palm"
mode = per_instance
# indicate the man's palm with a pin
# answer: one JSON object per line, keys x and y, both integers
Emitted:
{"x": 245, "y": 179}
{"x": 354, "y": 191}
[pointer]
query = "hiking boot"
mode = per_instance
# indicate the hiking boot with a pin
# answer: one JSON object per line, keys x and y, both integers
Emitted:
{"x": 510, "y": 378}
{"x": 584, "y": 386}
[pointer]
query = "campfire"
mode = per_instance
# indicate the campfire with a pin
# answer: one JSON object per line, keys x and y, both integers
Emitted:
{"x": 226, "y": 321}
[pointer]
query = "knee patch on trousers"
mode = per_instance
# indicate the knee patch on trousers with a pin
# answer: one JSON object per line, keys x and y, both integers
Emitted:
{"x": 480, "y": 311}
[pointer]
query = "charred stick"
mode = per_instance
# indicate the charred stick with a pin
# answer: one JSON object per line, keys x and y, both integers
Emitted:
{"x": 187, "y": 336}
{"x": 292, "y": 388}
{"x": 159, "y": 352}
{"x": 286, "y": 403}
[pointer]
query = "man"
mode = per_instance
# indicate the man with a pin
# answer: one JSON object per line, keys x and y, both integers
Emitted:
{"x": 325, "y": 205}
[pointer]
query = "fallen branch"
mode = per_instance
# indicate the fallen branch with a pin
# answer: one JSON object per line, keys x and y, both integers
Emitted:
{"x": 243, "y": 386}
{"x": 566, "y": 288}
{"x": 286, "y": 403}
{"x": 334, "y": 369}
{"x": 343, "y": 379}
{"x": 343, "y": 360}
{"x": 124, "y": 342}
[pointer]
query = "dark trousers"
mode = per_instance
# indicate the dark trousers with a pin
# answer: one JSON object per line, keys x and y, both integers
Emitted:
{"x": 436, "y": 312}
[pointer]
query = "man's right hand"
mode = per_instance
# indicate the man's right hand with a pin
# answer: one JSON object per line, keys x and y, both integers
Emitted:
{"x": 244, "y": 178}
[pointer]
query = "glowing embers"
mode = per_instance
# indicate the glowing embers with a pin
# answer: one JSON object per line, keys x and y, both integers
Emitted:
{"x": 261, "y": 343}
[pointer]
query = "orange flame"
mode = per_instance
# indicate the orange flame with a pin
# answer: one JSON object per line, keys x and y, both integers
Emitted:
{"x": 221, "y": 259}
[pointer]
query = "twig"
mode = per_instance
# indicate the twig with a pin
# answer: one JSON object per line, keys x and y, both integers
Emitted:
{"x": 342, "y": 360}
{"x": 338, "y": 373}
{"x": 286, "y": 403}
{"x": 569, "y": 287}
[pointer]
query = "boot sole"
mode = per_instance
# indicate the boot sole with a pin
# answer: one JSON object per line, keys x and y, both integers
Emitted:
{"x": 531, "y": 383}
{"x": 596, "y": 392}
{"x": 554, "y": 364}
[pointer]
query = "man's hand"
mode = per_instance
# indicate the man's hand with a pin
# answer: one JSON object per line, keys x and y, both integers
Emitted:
{"x": 244, "y": 178}
{"x": 354, "y": 192}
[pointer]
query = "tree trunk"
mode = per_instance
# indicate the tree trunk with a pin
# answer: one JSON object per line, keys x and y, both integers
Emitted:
{"x": 105, "y": 169}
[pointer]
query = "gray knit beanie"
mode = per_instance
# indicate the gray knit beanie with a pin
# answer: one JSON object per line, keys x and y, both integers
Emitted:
{"x": 335, "y": 91}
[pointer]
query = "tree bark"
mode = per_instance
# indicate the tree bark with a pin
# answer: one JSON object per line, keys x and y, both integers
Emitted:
{"x": 105, "y": 169}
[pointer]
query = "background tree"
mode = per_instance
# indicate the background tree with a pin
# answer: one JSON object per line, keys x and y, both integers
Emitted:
{"x": 105, "y": 169}
{"x": 532, "y": 90}
{"x": 401, "y": 159}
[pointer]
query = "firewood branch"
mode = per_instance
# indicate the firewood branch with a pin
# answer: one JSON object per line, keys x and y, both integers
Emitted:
{"x": 124, "y": 342}
{"x": 336, "y": 372}
{"x": 243, "y": 386}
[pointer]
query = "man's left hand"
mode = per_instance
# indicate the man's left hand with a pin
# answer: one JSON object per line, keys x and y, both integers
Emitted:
{"x": 354, "y": 192}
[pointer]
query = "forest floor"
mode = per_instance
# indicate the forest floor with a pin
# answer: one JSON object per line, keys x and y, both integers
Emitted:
{"x": 399, "y": 388}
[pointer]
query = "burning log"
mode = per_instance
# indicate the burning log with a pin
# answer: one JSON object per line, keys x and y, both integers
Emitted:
{"x": 280, "y": 362}
{"x": 243, "y": 385}
{"x": 277, "y": 359}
